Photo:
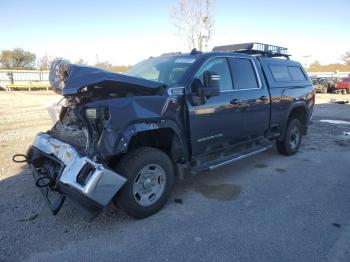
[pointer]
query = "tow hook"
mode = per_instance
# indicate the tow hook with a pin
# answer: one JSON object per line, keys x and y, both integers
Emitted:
{"x": 16, "y": 160}
{"x": 43, "y": 181}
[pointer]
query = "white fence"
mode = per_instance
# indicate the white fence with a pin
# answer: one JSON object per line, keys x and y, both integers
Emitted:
{"x": 8, "y": 77}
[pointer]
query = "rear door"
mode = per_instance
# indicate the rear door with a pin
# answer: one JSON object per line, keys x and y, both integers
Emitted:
{"x": 253, "y": 94}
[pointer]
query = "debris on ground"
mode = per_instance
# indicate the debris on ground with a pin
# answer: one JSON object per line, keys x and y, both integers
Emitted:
{"x": 197, "y": 239}
{"x": 341, "y": 102}
{"x": 31, "y": 218}
{"x": 336, "y": 225}
{"x": 178, "y": 200}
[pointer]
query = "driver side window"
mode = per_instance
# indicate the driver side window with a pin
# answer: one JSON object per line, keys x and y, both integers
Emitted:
{"x": 218, "y": 65}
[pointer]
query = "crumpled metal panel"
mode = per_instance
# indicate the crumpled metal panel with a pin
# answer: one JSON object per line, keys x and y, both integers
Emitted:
{"x": 69, "y": 79}
{"x": 66, "y": 153}
{"x": 102, "y": 185}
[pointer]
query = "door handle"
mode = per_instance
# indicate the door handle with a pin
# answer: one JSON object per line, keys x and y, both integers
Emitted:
{"x": 235, "y": 101}
{"x": 263, "y": 98}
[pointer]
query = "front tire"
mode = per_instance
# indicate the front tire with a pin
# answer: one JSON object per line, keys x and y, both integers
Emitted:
{"x": 150, "y": 177}
{"x": 292, "y": 138}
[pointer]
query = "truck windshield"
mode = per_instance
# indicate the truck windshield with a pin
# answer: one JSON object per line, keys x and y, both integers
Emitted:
{"x": 169, "y": 70}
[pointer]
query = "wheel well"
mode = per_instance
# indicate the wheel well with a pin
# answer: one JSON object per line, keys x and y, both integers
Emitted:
{"x": 164, "y": 139}
{"x": 299, "y": 113}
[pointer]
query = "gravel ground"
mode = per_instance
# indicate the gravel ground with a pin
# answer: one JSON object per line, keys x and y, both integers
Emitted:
{"x": 265, "y": 208}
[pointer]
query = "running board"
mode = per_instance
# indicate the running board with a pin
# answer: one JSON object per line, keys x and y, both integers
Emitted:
{"x": 231, "y": 158}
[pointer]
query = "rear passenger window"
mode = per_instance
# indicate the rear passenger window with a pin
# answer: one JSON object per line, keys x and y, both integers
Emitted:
{"x": 280, "y": 73}
{"x": 296, "y": 73}
{"x": 243, "y": 74}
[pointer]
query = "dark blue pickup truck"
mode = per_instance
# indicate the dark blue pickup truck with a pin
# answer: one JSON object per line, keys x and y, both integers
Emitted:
{"x": 124, "y": 137}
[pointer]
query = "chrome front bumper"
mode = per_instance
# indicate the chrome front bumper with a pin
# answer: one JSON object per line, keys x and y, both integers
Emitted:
{"x": 80, "y": 178}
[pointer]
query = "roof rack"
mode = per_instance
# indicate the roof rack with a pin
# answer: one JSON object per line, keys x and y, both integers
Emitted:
{"x": 171, "y": 53}
{"x": 254, "y": 49}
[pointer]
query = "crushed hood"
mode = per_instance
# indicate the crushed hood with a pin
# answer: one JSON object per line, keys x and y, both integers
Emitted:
{"x": 69, "y": 79}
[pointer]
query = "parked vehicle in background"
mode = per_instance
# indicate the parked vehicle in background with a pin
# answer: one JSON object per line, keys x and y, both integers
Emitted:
{"x": 331, "y": 84}
{"x": 320, "y": 84}
{"x": 343, "y": 86}
{"x": 123, "y": 137}
{"x": 328, "y": 85}
{"x": 324, "y": 84}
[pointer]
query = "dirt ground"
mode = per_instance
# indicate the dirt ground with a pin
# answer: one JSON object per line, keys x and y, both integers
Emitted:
{"x": 26, "y": 225}
{"x": 22, "y": 116}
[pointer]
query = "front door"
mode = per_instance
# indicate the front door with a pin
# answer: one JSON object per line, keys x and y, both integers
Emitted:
{"x": 218, "y": 123}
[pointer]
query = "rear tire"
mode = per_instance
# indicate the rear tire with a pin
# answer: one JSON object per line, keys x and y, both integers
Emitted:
{"x": 292, "y": 138}
{"x": 150, "y": 177}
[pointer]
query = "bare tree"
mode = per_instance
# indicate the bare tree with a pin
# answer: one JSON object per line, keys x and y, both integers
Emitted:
{"x": 193, "y": 21}
{"x": 44, "y": 62}
{"x": 346, "y": 58}
{"x": 81, "y": 61}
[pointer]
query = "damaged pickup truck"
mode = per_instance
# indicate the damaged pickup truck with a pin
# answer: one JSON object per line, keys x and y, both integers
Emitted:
{"x": 124, "y": 137}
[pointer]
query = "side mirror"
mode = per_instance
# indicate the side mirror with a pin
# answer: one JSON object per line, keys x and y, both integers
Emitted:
{"x": 211, "y": 84}
{"x": 211, "y": 79}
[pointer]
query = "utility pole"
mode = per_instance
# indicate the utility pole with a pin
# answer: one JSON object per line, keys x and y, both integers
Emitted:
{"x": 306, "y": 57}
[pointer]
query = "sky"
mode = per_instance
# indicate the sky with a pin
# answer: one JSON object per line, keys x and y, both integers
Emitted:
{"x": 125, "y": 32}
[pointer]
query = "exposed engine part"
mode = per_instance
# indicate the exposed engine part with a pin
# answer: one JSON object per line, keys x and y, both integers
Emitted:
{"x": 71, "y": 130}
